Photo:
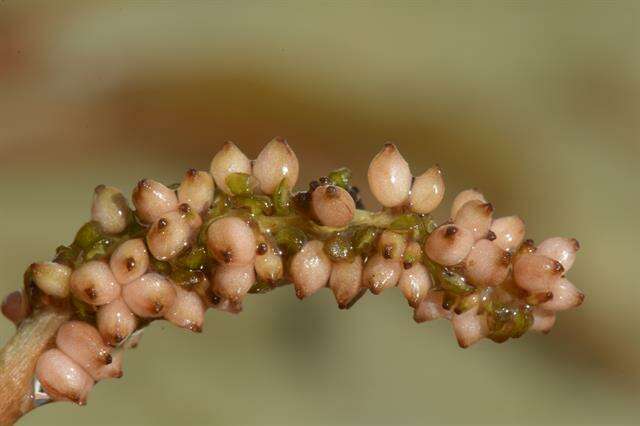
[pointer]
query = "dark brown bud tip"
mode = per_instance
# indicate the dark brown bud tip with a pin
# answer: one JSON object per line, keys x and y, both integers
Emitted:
{"x": 262, "y": 249}
{"x": 162, "y": 223}
{"x": 157, "y": 307}
{"x": 491, "y": 236}
{"x": 107, "y": 358}
{"x": 343, "y": 306}
{"x": 195, "y": 328}
{"x": 557, "y": 267}
{"x": 130, "y": 264}
{"x": 227, "y": 256}
{"x": 407, "y": 265}
{"x": 505, "y": 259}
{"x": 184, "y": 208}
{"x": 331, "y": 191}
{"x": 581, "y": 297}
{"x": 389, "y": 147}
{"x": 576, "y": 244}
{"x": 99, "y": 188}
{"x": 299, "y": 294}
{"x": 142, "y": 184}
{"x": 192, "y": 173}
{"x": 387, "y": 253}
{"x": 462, "y": 344}
{"x": 450, "y": 232}
{"x": 91, "y": 293}
{"x": 488, "y": 208}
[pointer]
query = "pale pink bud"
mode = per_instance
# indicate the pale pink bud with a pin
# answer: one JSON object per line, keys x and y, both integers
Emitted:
{"x": 380, "y": 273}
{"x": 561, "y": 249}
{"x": 449, "y": 244}
{"x": 392, "y": 245}
{"x": 228, "y": 160}
{"x": 427, "y": 191}
{"x": 509, "y": 232}
{"x": 346, "y": 281}
{"x": 487, "y": 264}
{"x": 310, "y": 269}
{"x": 463, "y": 197}
{"x": 94, "y": 283}
{"x": 565, "y": 296}
{"x": 110, "y": 209}
{"x": 231, "y": 241}
{"x": 543, "y": 321}
{"x": 389, "y": 177}
{"x": 234, "y": 282}
{"x": 52, "y": 278}
{"x": 187, "y": 311}
{"x": 332, "y": 206}
{"x": 129, "y": 261}
{"x": 469, "y": 327}
{"x": 82, "y": 343}
{"x": 268, "y": 264}
{"x": 14, "y": 307}
{"x": 62, "y": 378}
{"x": 152, "y": 200}
{"x": 431, "y": 308}
{"x": 196, "y": 189}
{"x": 116, "y": 322}
{"x": 475, "y": 216}
{"x": 169, "y": 236}
{"x": 414, "y": 284}
{"x": 150, "y": 296}
{"x": 275, "y": 162}
{"x": 536, "y": 273}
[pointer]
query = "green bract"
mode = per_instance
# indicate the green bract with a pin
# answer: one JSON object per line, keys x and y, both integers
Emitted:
{"x": 239, "y": 183}
{"x": 341, "y": 177}
{"x": 282, "y": 198}
{"x": 290, "y": 239}
{"x": 88, "y": 235}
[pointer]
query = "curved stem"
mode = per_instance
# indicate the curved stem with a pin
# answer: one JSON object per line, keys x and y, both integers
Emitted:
{"x": 18, "y": 360}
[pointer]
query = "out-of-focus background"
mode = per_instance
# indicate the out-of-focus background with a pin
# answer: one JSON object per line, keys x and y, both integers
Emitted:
{"x": 537, "y": 104}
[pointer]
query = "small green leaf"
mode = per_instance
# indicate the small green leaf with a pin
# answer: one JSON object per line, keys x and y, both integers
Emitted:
{"x": 454, "y": 283}
{"x": 256, "y": 204}
{"x": 88, "y": 235}
{"x": 282, "y": 198}
{"x": 290, "y": 240}
{"x": 239, "y": 183}
{"x": 341, "y": 177}
{"x": 364, "y": 238}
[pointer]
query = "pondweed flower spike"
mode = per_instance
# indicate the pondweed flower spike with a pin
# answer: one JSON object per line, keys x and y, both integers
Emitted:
{"x": 239, "y": 229}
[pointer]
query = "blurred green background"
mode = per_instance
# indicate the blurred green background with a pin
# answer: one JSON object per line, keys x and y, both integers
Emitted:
{"x": 537, "y": 104}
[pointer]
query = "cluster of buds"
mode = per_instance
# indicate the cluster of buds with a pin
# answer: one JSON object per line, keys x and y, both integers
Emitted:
{"x": 239, "y": 229}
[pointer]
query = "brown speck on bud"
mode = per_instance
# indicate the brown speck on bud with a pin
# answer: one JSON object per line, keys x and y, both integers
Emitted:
{"x": 162, "y": 223}
{"x": 450, "y": 231}
{"x": 491, "y": 236}
{"x": 169, "y": 236}
{"x": 130, "y": 264}
{"x": 389, "y": 177}
{"x": 262, "y": 249}
{"x": 487, "y": 264}
{"x": 157, "y": 307}
{"x": 392, "y": 245}
{"x": 115, "y": 322}
{"x": 91, "y": 293}
{"x": 184, "y": 209}
{"x": 107, "y": 358}
{"x": 536, "y": 273}
{"x": 387, "y": 253}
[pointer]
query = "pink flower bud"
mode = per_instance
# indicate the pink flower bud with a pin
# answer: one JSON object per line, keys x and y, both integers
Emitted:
{"x": 196, "y": 190}
{"x": 275, "y": 162}
{"x": 129, "y": 261}
{"x": 509, "y": 232}
{"x": 231, "y": 241}
{"x": 543, "y": 321}
{"x": 380, "y": 273}
{"x": 463, "y": 197}
{"x": 94, "y": 283}
{"x": 228, "y": 160}
{"x": 414, "y": 284}
{"x": 469, "y": 327}
{"x": 536, "y": 273}
{"x": 62, "y": 378}
{"x": 82, "y": 343}
{"x": 187, "y": 311}
{"x": 389, "y": 177}
{"x": 332, "y": 206}
{"x": 150, "y": 296}
{"x": 565, "y": 296}
{"x": 152, "y": 200}
{"x": 475, "y": 216}
{"x": 427, "y": 191}
{"x": 346, "y": 281}
{"x": 391, "y": 245}
{"x": 310, "y": 269}
{"x": 561, "y": 249}
{"x": 431, "y": 308}
{"x": 52, "y": 278}
{"x": 449, "y": 244}
{"x": 116, "y": 322}
{"x": 234, "y": 282}
{"x": 169, "y": 236}
{"x": 268, "y": 264}
{"x": 110, "y": 209}
{"x": 487, "y": 264}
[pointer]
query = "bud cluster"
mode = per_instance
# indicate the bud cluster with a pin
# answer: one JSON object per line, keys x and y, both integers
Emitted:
{"x": 239, "y": 229}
